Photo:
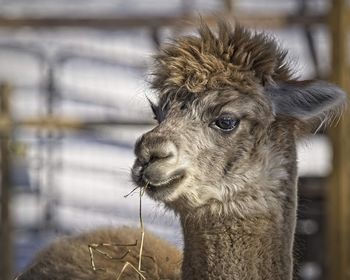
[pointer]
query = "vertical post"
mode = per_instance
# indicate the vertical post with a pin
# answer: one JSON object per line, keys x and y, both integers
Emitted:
{"x": 51, "y": 146}
{"x": 5, "y": 230}
{"x": 228, "y": 5}
{"x": 338, "y": 195}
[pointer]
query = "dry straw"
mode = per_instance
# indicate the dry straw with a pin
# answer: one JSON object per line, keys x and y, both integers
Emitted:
{"x": 96, "y": 247}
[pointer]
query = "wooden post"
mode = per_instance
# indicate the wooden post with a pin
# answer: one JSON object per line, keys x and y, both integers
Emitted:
{"x": 339, "y": 184}
{"x": 5, "y": 230}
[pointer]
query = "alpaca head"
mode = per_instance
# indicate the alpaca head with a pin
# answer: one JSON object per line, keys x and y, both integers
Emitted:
{"x": 228, "y": 110}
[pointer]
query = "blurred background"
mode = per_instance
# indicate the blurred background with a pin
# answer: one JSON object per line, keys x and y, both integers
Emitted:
{"x": 73, "y": 103}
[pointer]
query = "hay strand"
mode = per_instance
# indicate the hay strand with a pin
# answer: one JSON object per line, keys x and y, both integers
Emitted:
{"x": 95, "y": 247}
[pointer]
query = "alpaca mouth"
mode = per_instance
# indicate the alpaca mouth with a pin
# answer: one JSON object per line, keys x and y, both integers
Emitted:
{"x": 155, "y": 186}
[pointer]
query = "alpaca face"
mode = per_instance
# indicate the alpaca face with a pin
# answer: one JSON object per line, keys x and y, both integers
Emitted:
{"x": 226, "y": 150}
{"x": 227, "y": 110}
{"x": 201, "y": 146}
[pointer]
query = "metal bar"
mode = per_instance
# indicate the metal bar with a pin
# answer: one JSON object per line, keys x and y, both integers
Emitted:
{"x": 5, "y": 232}
{"x": 338, "y": 198}
{"x": 54, "y": 123}
{"x": 303, "y": 9}
{"x": 50, "y": 147}
{"x": 271, "y": 20}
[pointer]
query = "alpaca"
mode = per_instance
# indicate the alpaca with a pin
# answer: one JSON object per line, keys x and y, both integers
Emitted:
{"x": 223, "y": 155}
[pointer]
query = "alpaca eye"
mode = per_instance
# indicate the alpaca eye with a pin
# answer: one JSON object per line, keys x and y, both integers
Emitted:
{"x": 226, "y": 123}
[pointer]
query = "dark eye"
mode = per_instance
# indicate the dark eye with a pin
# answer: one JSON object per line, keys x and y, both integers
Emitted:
{"x": 226, "y": 123}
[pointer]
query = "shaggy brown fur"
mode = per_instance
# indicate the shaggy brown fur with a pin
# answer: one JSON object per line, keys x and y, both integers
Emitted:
{"x": 68, "y": 258}
{"x": 236, "y": 58}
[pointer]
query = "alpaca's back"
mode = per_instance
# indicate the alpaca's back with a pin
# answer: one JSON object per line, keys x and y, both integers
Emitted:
{"x": 69, "y": 258}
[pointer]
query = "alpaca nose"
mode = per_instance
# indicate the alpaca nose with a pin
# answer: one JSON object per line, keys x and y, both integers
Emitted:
{"x": 151, "y": 148}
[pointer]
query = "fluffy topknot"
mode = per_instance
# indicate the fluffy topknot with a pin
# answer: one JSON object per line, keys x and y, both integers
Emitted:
{"x": 235, "y": 57}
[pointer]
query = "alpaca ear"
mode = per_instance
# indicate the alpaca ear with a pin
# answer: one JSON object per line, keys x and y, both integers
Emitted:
{"x": 312, "y": 102}
{"x": 152, "y": 105}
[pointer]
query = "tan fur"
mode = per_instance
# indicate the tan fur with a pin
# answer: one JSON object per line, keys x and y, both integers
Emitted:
{"x": 69, "y": 258}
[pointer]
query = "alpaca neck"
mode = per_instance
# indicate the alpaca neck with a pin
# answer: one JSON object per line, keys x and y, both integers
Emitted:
{"x": 240, "y": 248}
{"x": 252, "y": 237}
